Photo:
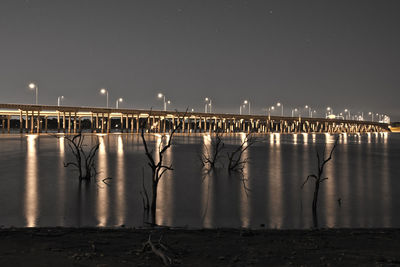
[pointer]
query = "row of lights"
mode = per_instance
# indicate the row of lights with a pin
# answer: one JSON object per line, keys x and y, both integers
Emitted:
{"x": 246, "y": 103}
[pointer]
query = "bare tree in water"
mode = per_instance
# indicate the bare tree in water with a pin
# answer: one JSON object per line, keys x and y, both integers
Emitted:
{"x": 318, "y": 179}
{"x": 236, "y": 159}
{"x": 84, "y": 160}
{"x": 157, "y": 166}
{"x": 210, "y": 157}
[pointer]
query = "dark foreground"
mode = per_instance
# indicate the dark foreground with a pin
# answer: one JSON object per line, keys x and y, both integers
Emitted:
{"x": 224, "y": 247}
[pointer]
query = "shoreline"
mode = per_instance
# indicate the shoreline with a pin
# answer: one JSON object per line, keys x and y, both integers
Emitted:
{"x": 199, "y": 247}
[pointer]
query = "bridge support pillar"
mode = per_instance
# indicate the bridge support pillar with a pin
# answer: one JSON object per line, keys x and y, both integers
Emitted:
{"x": 20, "y": 121}
{"x": 108, "y": 122}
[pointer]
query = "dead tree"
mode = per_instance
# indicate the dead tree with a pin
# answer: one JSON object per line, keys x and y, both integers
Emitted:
{"x": 236, "y": 160}
{"x": 211, "y": 158}
{"x": 84, "y": 161}
{"x": 318, "y": 179}
{"x": 158, "y": 167}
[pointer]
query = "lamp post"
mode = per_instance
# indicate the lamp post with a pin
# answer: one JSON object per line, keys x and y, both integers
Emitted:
{"x": 269, "y": 110}
{"x": 119, "y": 100}
{"x": 160, "y": 95}
{"x": 309, "y": 110}
{"x": 280, "y": 105}
{"x": 372, "y": 115}
{"x": 208, "y": 103}
{"x": 104, "y": 92}
{"x": 294, "y": 111}
{"x": 240, "y": 108}
{"x": 329, "y": 111}
{"x": 59, "y": 99}
{"x": 33, "y": 86}
{"x": 348, "y": 112}
{"x": 248, "y": 102}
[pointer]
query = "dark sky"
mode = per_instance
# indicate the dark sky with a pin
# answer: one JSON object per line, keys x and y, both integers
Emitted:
{"x": 321, "y": 53}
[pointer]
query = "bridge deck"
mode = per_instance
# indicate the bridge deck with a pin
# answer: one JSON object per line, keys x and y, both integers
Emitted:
{"x": 53, "y": 111}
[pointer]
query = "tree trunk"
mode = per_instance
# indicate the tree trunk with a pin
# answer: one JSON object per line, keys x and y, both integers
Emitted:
{"x": 154, "y": 203}
{"x": 314, "y": 204}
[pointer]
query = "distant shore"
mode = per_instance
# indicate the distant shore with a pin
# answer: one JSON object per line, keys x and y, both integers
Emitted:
{"x": 217, "y": 247}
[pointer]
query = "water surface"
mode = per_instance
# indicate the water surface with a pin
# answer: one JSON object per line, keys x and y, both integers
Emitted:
{"x": 361, "y": 190}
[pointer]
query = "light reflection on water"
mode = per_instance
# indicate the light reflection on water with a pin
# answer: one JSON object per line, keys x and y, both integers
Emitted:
{"x": 31, "y": 183}
{"x": 102, "y": 190}
{"x": 360, "y": 191}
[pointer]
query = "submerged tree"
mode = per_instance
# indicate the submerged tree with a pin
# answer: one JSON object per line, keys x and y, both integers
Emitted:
{"x": 318, "y": 179}
{"x": 210, "y": 157}
{"x": 236, "y": 160}
{"x": 157, "y": 166}
{"x": 84, "y": 161}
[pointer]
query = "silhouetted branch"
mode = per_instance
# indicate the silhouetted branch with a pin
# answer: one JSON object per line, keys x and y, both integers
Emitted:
{"x": 236, "y": 161}
{"x": 84, "y": 163}
{"x": 210, "y": 158}
{"x": 158, "y": 168}
{"x": 318, "y": 179}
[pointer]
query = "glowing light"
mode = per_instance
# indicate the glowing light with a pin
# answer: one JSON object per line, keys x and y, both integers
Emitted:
{"x": 31, "y": 189}
{"x": 32, "y": 85}
{"x": 277, "y": 138}
{"x": 102, "y": 195}
{"x": 120, "y": 182}
{"x": 160, "y": 95}
{"x": 103, "y": 91}
{"x": 305, "y": 138}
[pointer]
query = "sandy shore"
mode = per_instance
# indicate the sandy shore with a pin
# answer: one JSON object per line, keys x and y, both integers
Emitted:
{"x": 220, "y": 247}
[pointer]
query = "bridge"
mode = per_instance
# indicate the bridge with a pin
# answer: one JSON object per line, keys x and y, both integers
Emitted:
{"x": 69, "y": 119}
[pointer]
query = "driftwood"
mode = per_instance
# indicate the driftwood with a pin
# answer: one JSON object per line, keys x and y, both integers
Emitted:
{"x": 318, "y": 179}
{"x": 159, "y": 249}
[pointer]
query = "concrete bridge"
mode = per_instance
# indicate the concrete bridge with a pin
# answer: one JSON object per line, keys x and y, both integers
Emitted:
{"x": 68, "y": 119}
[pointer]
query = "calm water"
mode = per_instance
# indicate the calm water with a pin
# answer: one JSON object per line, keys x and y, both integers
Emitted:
{"x": 36, "y": 189}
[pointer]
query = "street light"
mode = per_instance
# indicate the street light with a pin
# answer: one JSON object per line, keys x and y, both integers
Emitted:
{"x": 104, "y": 91}
{"x": 372, "y": 115}
{"x": 208, "y": 103}
{"x": 36, "y": 88}
{"x": 280, "y": 105}
{"x": 294, "y": 111}
{"x": 329, "y": 111}
{"x": 160, "y": 95}
{"x": 309, "y": 110}
{"x": 272, "y": 108}
{"x": 248, "y": 102}
{"x": 118, "y": 101}
{"x": 240, "y": 109}
{"x": 59, "y": 99}
{"x": 348, "y": 112}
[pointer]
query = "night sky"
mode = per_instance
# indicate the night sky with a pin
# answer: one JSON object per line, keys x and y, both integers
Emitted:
{"x": 342, "y": 54}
